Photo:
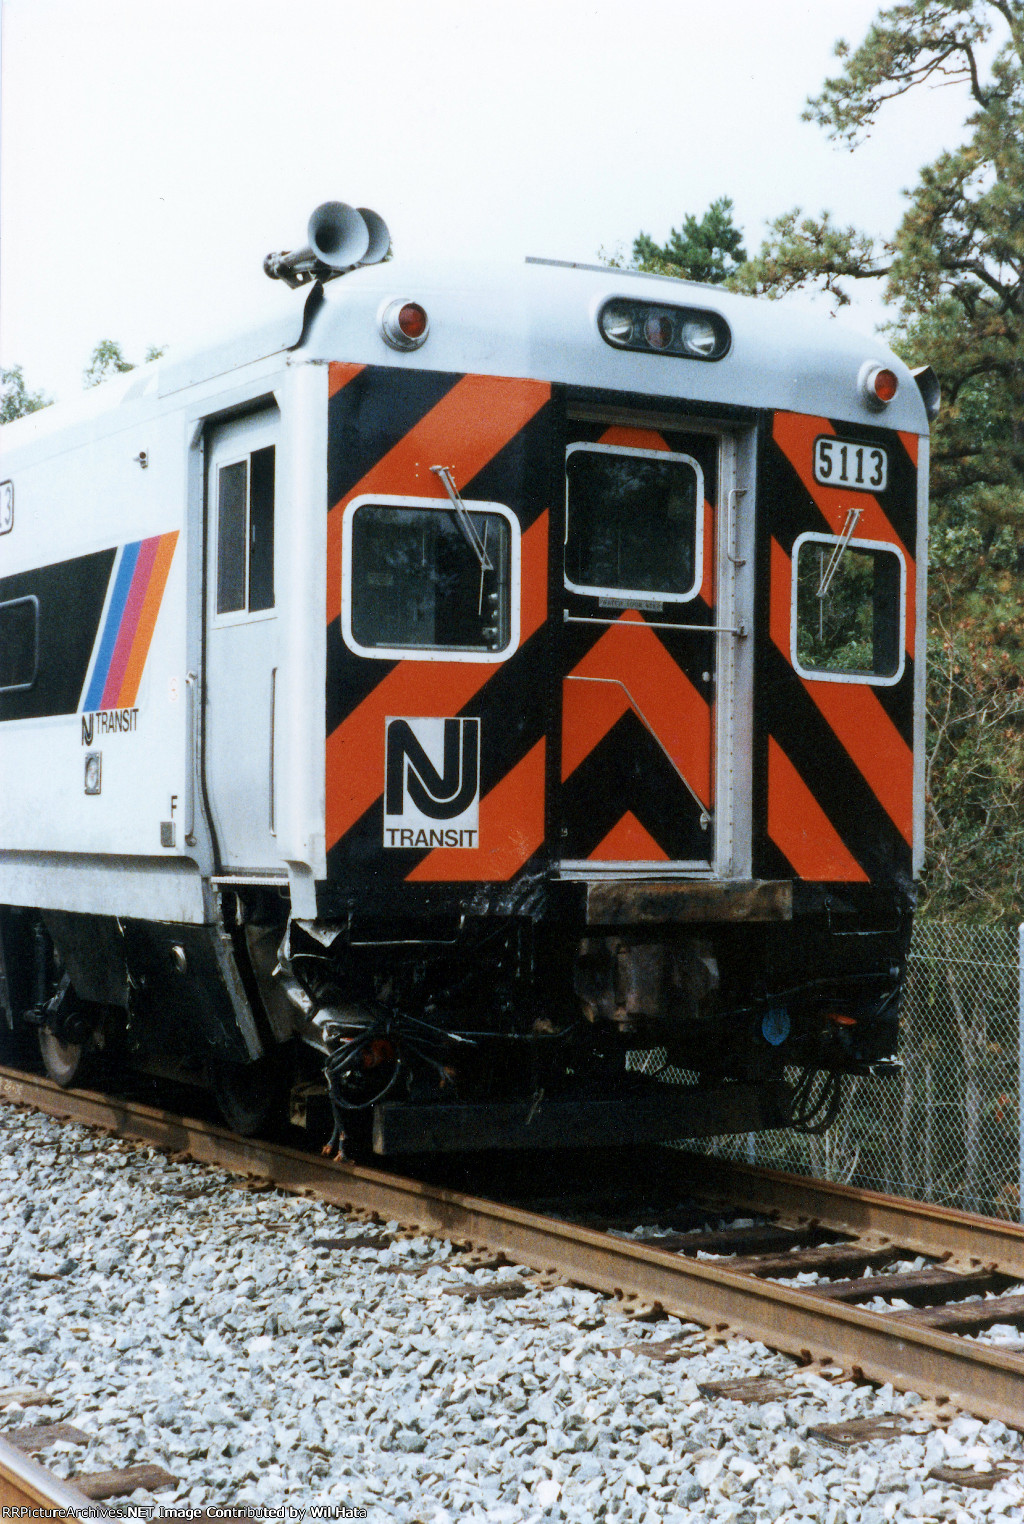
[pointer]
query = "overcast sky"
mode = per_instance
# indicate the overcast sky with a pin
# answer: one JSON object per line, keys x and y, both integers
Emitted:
{"x": 152, "y": 151}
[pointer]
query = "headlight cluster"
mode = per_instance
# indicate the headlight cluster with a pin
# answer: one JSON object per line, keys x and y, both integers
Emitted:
{"x": 690, "y": 332}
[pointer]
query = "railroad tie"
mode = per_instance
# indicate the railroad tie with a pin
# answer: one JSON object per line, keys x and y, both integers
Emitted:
{"x": 967, "y": 1317}
{"x": 99, "y": 1485}
{"x": 921, "y": 1287}
{"x": 751, "y": 1240}
{"x": 828, "y": 1259}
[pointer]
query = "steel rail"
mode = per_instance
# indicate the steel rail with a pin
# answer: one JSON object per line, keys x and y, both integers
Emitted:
{"x": 24, "y": 1484}
{"x": 942, "y": 1232}
{"x": 979, "y": 1378}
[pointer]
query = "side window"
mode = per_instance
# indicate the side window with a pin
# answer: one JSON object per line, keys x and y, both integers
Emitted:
{"x": 849, "y": 602}
{"x": 634, "y": 522}
{"x": 245, "y": 534}
{"x": 421, "y": 577}
{"x": 19, "y": 644}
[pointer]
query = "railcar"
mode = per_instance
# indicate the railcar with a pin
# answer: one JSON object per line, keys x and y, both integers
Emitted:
{"x": 464, "y": 695}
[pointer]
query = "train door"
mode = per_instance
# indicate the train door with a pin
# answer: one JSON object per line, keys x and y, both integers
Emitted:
{"x": 241, "y": 640}
{"x": 638, "y": 650}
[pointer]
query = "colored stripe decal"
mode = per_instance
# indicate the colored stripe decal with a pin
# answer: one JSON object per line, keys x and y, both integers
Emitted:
{"x": 108, "y": 639}
{"x": 465, "y": 430}
{"x": 800, "y": 828}
{"x": 147, "y": 621}
{"x": 355, "y": 750}
{"x": 860, "y": 723}
{"x": 130, "y": 622}
{"x": 628, "y": 842}
{"x": 795, "y": 434}
{"x": 511, "y": 822}
{"x": 635, "y": 660}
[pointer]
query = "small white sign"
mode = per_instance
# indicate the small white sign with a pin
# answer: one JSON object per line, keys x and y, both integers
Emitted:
{"x": 431, "y": 782}
{"x": 6, "y": 507}
{"x": 850, "y": 463}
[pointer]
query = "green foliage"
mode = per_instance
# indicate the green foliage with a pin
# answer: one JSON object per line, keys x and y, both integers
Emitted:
{"x": 908, "y": 45}
{"x": 975, "y": 746}
{"x": 710, "y": 249}
{"x": 15, "y": 398}
{"x": 108, "y": 360}
{"x": 803, "y": 250}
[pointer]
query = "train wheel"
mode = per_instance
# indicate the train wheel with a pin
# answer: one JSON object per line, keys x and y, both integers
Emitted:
{"x": 251, "y": 1097}
{"x": 62, "y": 1061}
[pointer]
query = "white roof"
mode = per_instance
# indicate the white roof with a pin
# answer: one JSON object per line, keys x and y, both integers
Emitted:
{"x": 539, "y": 320}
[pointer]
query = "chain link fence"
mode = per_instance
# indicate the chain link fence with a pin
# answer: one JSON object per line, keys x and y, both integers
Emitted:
{"x": 948, "y": 1128}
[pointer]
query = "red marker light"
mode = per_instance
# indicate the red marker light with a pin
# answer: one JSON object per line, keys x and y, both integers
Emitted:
{"x": 878, "y": 385}
{"x": 412, "y": 320}
{"x": 404, "y": 325}
{"x": 885, "y": 385}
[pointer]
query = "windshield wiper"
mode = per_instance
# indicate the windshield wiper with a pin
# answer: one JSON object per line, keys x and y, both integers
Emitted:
{"x": 837, "y": 555}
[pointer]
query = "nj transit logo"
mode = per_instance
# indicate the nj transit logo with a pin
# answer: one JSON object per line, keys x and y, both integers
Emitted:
{"x": 432, "y": 783}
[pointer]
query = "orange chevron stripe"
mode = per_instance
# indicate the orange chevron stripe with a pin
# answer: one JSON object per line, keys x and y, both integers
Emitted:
{"x": 628, "y": 842}
{"x": 671, "y": 705}
{"x": 633, "y": 439}
{"x": 780, "y": 609}
{"x": 861, "y": 724}
{"x": 875, "y": 745}
{"x": 511, "y": 831}
{"x": 800, "y": 828}
{"x": 795, "y": 434}
{"x": 340, "y": 375}
{"x": 355, "y": 750}
{"x": 465, "y": 430}
{"x": 533, "y": 575}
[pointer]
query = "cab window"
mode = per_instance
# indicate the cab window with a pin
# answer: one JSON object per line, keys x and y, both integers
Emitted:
{"x": 425, "y": 577}
{"x": 849, "y": 599}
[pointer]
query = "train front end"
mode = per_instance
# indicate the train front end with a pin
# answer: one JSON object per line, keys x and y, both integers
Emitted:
{"x": 623, "y": 696}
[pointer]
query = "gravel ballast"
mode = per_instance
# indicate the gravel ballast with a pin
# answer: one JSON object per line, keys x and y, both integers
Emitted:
{"x": 180, "y": 1319}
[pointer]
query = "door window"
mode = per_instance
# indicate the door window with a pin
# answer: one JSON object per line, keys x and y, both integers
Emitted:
{"x": 634, "y": 522}
{"x": 245, "y": 534}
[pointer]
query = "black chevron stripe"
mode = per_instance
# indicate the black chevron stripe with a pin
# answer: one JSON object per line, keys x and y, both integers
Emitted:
{"x": 832, "y": 776}
{"x": 370, "y": 414}
{"x": 627, "y": 770}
